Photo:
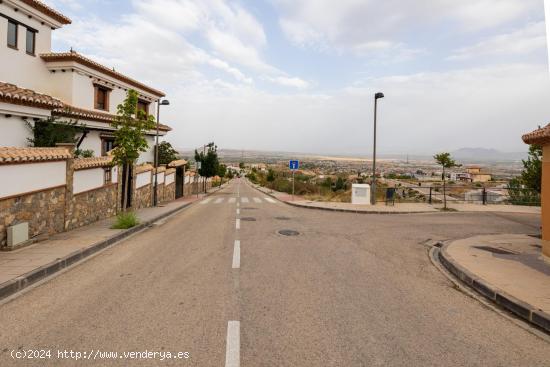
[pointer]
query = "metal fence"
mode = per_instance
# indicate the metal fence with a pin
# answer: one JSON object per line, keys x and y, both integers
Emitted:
{"x": 460, "y": 195}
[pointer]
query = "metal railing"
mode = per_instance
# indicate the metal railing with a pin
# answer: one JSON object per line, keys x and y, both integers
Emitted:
{"x": 460, "y": 195}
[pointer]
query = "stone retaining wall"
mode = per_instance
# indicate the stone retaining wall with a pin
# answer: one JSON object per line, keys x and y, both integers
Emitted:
{"x": 43, "y": 210}
{"x": 169, "y": 192}
{"x": 91, "y": 206}
{"x": 143, "y": 197}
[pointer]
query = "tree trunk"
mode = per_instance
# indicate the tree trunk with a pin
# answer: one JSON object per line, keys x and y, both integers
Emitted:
{"x": 125, "y": 191}
{"x": 444, "y": 191}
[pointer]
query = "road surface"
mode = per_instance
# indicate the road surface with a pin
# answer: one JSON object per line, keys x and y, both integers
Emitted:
{"x": 349, "y": 290}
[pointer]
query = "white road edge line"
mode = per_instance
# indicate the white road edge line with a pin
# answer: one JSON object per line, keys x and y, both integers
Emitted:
{"x": 238, "y": 211}
{"x": 238, "y": 224}
{"x": 237, "y": 255}
{"x": 233, "y": 344}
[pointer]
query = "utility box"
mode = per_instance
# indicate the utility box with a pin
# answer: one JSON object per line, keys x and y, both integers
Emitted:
{"x": 360, "y": 194}
{"x": 18, "y": 235}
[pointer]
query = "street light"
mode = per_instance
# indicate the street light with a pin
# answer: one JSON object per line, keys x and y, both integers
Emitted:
{"x": 163, "y": 102}
{"x": 377, "y": 96}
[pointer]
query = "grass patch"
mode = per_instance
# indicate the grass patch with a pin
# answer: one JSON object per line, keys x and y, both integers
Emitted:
{"x": 125, "y": 220}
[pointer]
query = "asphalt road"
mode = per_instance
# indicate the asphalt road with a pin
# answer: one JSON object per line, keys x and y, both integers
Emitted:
{"x": 350, "y": 290}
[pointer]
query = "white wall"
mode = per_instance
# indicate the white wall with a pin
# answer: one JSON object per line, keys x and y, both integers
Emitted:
{"x": 169, "y": 179}
{"x": 88, "y": 179}
{"x": 17, "y": 67}
{"x": 92, "y": 141}
{"x": 14, "y": 132}
{"x": 160, "y": 178}
{"x": 149, "y": 155}
{"x": 143, "y": 179}
{"x": 24, "y": 178}
{"x": 114, "y": 174}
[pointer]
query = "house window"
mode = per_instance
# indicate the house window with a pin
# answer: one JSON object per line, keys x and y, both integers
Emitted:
{"x": 107, "y": 144}
{"x": 31, "y": 40}
{"x": 102, "y": 98}
{"x": 12, "y": 34}
{"x": 143, "y": 106}
{"x": 107, "y": 176}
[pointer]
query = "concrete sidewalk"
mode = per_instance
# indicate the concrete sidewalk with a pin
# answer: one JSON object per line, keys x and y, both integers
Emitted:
{"x": 398, "y": 208}
{"x": 21, "y": 268}
{"x": 508, "y": 269}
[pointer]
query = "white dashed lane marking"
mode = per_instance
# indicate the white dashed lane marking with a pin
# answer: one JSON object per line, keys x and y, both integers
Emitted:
{"x": 206, "y": 201}
{"x": 233, "y": 344}
{"x": 244, "y": 200}
{"x": 258, "y": 200}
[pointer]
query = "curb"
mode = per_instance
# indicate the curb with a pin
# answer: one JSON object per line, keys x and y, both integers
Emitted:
{"x": 340, "y": 210}
{"x": 519, "y": 308}
{"x": 16, "y": 285}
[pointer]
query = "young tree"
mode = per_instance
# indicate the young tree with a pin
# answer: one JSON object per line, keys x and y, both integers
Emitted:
{"x": 209, "y": 161}
{"x": 131, "y": 126}
{"x": 445, "y": 161}
{"x": 531, "y": 176}
{"x": 222, "y": 170}
{"x": 167, "y": 153}
{"x": 270, "y": 178}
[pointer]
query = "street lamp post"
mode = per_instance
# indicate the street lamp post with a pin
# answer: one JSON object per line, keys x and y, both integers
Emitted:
{"x": 377, "y": 96}
{"x": 163, "y": 102}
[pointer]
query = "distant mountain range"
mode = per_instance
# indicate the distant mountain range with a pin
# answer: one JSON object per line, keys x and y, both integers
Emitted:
{"x": 484, "y": 154}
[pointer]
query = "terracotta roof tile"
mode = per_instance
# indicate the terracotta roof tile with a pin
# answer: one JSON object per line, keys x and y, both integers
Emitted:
{"x": 93, "y": 162}
{"x": 45, "y": 9}
{"x": 178, "y": 163}
{"x": 13, "y": 94}
{"x": 80, "y": 113}
{"x": 539, "y": 136}
{"x": 144, "y": 168}
{"x": 20, "y": 155}
{"x": 76, "y": 57}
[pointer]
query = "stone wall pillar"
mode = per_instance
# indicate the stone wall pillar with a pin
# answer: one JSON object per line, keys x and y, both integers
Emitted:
{"x": 69, "y": 172}
{"x": 546, "y": 201}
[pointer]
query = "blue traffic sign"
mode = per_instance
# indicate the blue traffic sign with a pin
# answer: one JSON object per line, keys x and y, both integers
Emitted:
{"x": 294, "y": 165}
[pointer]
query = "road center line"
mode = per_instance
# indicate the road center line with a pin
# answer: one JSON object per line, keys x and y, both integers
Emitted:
{"x": 238, "y": 224}
{"x": 238, "y": 211}
{"x": 233, "y": 347}
{"x": 237, "y": 255}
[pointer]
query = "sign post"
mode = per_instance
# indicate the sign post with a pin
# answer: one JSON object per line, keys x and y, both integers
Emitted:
{"x": 293, "y": 165}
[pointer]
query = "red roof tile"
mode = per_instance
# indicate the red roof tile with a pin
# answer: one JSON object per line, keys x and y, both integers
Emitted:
{"x": 45, "y": 9}
{"x": 539, "y": 136}
{"x": 13, "y": 94}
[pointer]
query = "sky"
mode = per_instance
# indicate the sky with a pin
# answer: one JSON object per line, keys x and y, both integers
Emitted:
{"x": 300, "y": 75}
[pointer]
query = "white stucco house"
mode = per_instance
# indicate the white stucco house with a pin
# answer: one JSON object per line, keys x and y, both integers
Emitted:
{"x": 36, "y": 83}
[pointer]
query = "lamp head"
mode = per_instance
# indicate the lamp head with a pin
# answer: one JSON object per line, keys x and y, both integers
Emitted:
{"x": 164, "y": 102}
{"x": 379, "y": 95}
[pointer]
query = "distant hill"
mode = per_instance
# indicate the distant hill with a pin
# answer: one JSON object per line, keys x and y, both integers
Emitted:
{"x": 484, "y": 154}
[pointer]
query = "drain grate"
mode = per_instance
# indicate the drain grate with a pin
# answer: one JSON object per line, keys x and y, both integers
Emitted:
{"x": 495, "y": 250}
{"x": 288, "y": 232}
{"x": 282, "y": 218}
{"x": 248, "y": 219}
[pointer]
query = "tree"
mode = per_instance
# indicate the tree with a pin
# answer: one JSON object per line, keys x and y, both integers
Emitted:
{"x": 241, "y": 165}
{"x": 270, "y": 177}
{"x": 445, "y": 161}
{"x": 167, "y": 153}
{"x": 222, "y": 170}
{"x": 209, "y": 161}
{"x": 531, "y": 176}
{"x": 131, "y": 126}
{"x": 340, "y": 184}
{"x": 51, "y": 131}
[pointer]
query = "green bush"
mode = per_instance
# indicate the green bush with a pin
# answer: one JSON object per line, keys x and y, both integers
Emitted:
{"x": 126, "y": 220}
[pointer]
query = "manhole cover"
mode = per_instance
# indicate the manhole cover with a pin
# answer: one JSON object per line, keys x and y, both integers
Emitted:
{"x": 248, "y": 219}
{"x": 289, "y": 232}
{"x": 282, "y": 218}
{"x": 494, "y": 250}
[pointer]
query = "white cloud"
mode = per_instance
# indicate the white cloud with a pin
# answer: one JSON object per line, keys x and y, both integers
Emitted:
{"x": 519, "y": 42}
{"x": 288, "y": 82}
{"x": 351, "y": 24}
